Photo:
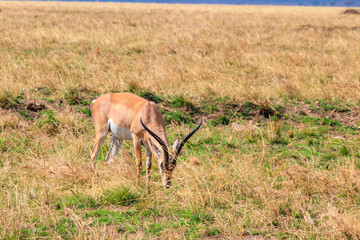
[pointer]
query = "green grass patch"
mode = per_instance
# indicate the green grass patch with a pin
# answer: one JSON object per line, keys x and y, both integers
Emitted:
{"x": 180, "y": 101}
{"x": 321, "y": 121}
{"x": 209, "y": 108}
{"x": 85, "y": 110}
{"x": 126, "y": 221}
{"x": 247, "y": 110}
{"x": 333, "y": 106}
{"x": 123, "y": 196}
{"x": 178, "y": 117}
{"x": 144, "y": 93}
{"x": 72, "y": 96}
{"x": 25, "y": 113}
{"x": 66, "y": 228}
{"x": 220, "y": 120}
{"x": 78, "y": 201}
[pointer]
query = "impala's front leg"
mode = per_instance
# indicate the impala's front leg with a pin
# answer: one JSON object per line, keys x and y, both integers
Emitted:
{"x": 148, "y": 168}
{"x": 114, "y": 149}
{"x": 137, "y": 147}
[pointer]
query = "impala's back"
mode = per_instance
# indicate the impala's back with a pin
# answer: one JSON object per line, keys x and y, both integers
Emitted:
{"x": 120, "y": 108}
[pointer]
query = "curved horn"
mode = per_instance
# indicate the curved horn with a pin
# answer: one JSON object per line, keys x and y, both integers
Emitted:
{"x": 178, "y": 149}
{"x": 157, "y": 138}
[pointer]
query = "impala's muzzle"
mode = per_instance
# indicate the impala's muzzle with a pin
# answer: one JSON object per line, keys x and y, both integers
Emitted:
{"x": 167, "y": 183}
{"x": 168, "y": 173}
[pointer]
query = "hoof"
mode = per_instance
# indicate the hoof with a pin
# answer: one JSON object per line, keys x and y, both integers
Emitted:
{"x": 109, "y": 162}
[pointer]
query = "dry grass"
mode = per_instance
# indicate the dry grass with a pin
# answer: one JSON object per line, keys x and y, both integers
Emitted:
{"x": 273, "y": 179}
{"x": 236, "y": 51}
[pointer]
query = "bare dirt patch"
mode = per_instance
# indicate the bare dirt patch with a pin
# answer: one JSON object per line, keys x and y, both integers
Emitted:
{"x": 232, "y": 111}
{"x": 349, "y": 117}
{"x": 35, "y": 106}
{"x": 32, "y": 108}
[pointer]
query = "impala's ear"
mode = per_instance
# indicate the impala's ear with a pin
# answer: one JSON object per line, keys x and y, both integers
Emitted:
{"x": 155, "y": 148}
{"x": 176, "y": 144}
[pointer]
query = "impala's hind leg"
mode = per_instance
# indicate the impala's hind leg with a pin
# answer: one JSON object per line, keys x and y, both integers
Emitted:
{"x": 100, "y": 134}
{"x": 114, "y": 149}
{"x": 137, "y": 147}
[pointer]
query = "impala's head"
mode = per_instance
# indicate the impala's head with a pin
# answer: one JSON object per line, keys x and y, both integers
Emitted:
{"x": 168, "y": 157}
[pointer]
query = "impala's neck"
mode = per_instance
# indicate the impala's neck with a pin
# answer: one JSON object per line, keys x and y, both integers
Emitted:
{"x": 162, "y": 134}
{"x": 152, "y": 118}
{"x": 154, "y": 145}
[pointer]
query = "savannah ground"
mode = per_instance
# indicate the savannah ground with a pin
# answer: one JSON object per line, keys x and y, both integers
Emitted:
{"x": 289, "y": 76}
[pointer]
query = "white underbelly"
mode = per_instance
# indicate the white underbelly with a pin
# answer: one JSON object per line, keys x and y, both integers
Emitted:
{"x": 120, "y": 132}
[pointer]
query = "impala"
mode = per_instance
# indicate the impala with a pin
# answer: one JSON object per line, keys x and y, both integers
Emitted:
{"x": 130, "y": 117}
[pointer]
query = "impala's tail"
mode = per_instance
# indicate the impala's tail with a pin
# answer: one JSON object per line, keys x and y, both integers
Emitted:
{"x": 91, "y": 109}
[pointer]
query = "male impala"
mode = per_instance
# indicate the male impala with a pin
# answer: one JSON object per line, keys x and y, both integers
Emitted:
{"x": 127, "y": 117}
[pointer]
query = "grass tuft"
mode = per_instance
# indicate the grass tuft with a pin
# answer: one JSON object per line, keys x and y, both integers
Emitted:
{"x": 4, "y": 98}
{"x": 48, "y": 122}
{"x": 123, "y": 196}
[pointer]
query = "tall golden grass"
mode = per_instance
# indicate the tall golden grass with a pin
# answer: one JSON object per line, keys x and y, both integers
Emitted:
{"x": 241, "y": 52}
{"x": 236, "y": 51}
